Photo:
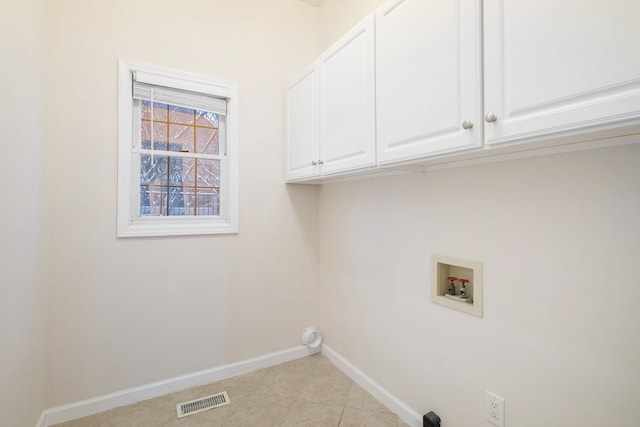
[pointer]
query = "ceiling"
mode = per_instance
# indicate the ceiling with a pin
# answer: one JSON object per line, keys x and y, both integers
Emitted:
{"x": 313, "y": 2}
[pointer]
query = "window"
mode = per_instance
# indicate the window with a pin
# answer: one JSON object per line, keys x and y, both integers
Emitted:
{"x": 177, "y": 153}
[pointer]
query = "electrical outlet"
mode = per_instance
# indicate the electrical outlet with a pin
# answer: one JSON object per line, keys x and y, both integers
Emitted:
{"x": 495, "y": 409}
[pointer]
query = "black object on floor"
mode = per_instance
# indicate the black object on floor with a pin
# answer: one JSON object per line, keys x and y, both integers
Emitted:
{"x": 431, "y": 420}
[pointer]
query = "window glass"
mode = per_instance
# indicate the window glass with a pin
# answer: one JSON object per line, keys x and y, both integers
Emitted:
{"x": 178, "y": 186}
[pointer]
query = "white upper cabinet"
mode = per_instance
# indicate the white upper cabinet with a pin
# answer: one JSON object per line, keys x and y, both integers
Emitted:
{"x": 560, "y": 67}
{"x": 347, "y": 101}
{"x": 302, "y": 125}
{"x": 428, "y": 78}
{"x": 331, "y": 109}
{"x": 434, "y": 81}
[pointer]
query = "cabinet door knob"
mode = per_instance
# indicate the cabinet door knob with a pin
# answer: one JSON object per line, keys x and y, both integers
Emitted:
{"x": 314, "y": 163}
{"x": 490, "y": 118}
{"x": 467, "y": 124}
{"x": 320, "y": 162}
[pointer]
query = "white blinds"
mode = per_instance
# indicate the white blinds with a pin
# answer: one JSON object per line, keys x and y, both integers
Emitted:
{"x": 182, "y": 98}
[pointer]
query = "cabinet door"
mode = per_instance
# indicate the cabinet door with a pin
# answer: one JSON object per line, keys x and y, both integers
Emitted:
{"x": 302, "y": 126}
{"x": 347, "y": 101}
{"x": 428, "y": 77}
{"x": 560, "y": 67}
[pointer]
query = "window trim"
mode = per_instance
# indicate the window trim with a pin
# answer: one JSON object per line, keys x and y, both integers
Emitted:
{"x": 128, "y": 225}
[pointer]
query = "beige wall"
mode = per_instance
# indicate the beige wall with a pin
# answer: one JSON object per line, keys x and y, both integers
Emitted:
{"x": 338, "y": 16}
{"x": 22, "y": 293}
{"x": 559, "y": 238}
{"x": 127, "y": 312}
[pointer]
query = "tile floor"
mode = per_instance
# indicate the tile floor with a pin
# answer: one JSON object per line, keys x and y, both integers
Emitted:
{"x": 305, "y": 392}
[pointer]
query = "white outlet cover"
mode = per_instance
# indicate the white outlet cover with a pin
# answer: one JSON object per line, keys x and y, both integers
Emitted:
{"x": 495, "y": 409}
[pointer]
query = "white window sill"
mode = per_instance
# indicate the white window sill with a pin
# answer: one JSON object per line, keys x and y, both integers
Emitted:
{"x": 154, "y": 227}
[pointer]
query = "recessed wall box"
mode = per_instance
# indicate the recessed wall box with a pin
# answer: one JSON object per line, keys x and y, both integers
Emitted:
{"x": 457, "y": 283}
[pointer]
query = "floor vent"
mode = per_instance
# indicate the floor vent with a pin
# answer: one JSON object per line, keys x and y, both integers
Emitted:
{"x": 202, "y": 404}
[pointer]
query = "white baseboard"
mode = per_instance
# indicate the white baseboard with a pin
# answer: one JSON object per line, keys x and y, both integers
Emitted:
{"x": 394, "y": 404}
{"x": 132, "y": 395}
{"x": 41, "y": 422}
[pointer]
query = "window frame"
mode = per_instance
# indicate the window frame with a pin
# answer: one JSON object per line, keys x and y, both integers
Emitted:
{"x": 129, "y": 223}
